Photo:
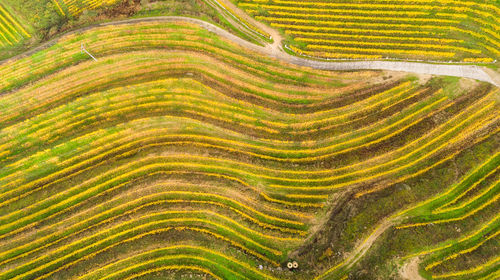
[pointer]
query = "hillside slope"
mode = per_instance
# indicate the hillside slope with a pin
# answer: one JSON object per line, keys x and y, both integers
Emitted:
{"x": 179, "y": 153}
{"x": 443, "y": 30}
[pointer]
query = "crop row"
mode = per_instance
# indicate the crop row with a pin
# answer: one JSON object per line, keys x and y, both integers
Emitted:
{"x": 199, "y": 221}
{"x": 245, "y": 23}
{"x": 115, "y": 209}
{"x": 401, "y": 29}
{"x": 322, "y": 173}
{"x": 109, "y": 40}
{"x": 57, "y": 205}
{"x": 75, "y": 7}
{"x": 452, "y": 205}
{"x": 75, "y": 115}
{"x": 490, "y": 230}
{"x": 382, "y": 45}
{"x": 11, "y": 30}
{"x": 456, "y": 191}
{"x": 266, "y": 170}
{"x": 140, "y": 262}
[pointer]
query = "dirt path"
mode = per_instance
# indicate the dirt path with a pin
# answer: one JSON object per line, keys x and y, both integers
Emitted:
{"x": 233, "y": 21}
{"x": 361, "y": 248}
{"x": 276, "y": 46}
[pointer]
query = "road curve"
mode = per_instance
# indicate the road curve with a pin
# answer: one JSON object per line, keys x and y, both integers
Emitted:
{"x": 275, "y": 50}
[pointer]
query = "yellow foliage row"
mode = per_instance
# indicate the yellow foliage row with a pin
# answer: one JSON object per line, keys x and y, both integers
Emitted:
{"x": 77, "y": 6}
{"x": 478, "y": 232}
{"x": 398, "y": 46}
{"x": 146, "y": 226}
{"x": 478, "y": 268}
{"x": 333, "y": 18}
{"x": 202, "y": 250}
{"x": 458, "y": 6}
{"x": 303, "y": 34}
{"x": 376, "y": 50}
{"x": 11, "y": 30}
{"x": 295, "y": 204}
{"x": 445, "y": 207}
{"x": 334, "y": 55}
{"x": 465, "y": 251}
{"x": 478, "y": 60}
{"x": 173, "y": 267}
{"x": 313, "y": 28}
{"x": 251, "y": 217}
{"x": 332, "y": 10}
{"x": 319, "y": 23}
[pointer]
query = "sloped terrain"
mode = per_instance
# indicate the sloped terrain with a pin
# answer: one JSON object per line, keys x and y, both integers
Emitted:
{"x": 461, "y": 31}
{"x": 179, "y": 153}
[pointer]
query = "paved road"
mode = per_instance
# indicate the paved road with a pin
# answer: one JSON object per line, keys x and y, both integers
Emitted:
{"x": 275, "y": 50}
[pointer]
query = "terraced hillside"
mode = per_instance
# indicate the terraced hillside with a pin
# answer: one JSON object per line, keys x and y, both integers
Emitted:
{"x": 75, "y": 7}
{"x": 180, "y": 154}
{"x": 11, "y": 30}
{"x": 42, "y": 20}
{"x": 444, "y": 30}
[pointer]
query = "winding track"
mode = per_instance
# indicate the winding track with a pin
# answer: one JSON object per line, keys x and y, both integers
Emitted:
{"x": 275, "y": 50}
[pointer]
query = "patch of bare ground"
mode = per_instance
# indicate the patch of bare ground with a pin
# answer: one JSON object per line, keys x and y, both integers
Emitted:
{"x": 409, "y": 271}
{"x": 122, "y": 9}
{"x": 467, "y": 84}
{"x": 390, "y": 77}
{"x": 422, "y": 78}
{"x": 495, "y": 75}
